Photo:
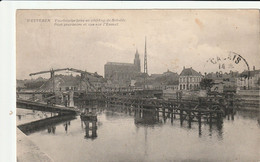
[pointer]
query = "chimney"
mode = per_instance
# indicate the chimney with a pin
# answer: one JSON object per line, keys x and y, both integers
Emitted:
{"x": 183, "y": 67}
{"x": 254, "y": 68}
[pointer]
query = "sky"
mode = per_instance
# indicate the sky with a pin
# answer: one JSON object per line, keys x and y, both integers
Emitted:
{"x": 175, "y": 39}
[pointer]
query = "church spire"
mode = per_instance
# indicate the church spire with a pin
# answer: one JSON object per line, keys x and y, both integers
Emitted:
{"x": 137, "y": 61}
{"x": 136, "y": 53}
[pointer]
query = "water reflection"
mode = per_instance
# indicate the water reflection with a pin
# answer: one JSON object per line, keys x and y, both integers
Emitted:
{"x": 90, "y": 129}
{"x": 66, "y": 125}
{"x": 115, "y": 113}
{"x": 51, "y": 129}
{"x": 147, "y": 117}
{"x": 90, "y": 126}
{"x": 48, "y": 124}
{"x": 142, "y": 118}
{"x": 215, "y": 128}
{"x": 249, "y": 114}
{"x": 89, "y": 118}
{"x": 146, "y": 134}
{"x": 151, "y": 118}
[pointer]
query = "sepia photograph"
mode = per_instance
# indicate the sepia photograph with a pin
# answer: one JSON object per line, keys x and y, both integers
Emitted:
{"x": 148, "y": 85}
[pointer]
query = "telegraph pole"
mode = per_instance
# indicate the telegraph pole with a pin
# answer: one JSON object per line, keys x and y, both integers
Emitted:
{"x": 145, "y": 59}
{"x": 145, "y": 64}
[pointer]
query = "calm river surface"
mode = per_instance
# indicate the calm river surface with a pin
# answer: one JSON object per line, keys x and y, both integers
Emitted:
{"x": 121, "y": 137}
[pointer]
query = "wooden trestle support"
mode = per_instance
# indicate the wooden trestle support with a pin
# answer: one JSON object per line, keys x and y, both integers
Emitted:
{"x": 190, "y": 110}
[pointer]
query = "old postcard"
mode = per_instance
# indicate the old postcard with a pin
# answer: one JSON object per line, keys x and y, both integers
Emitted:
{"x": 138, "y": 85}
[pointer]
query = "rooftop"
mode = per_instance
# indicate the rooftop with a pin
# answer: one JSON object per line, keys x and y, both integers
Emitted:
{"x": 251, "y": 73}
{"x": 156, "y": 75}
{"x": 119, "y": 63}
{"x": 189, "y": 72}
{"x": 168, "y": 72}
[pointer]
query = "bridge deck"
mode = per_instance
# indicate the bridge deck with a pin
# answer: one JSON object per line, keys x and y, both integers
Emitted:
{"x": 33, "y": 92}
{"x": 39, "y": 106}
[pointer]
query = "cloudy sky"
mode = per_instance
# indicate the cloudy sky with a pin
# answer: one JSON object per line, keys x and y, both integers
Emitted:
{"x": 175, "y": 38}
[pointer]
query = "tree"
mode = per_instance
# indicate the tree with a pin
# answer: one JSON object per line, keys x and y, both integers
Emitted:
{"x": 206, "y": 83}
{"x": 34, "y": 85}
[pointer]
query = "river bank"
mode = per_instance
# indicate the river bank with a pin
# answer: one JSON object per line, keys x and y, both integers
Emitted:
{"x": 28, "y": 151}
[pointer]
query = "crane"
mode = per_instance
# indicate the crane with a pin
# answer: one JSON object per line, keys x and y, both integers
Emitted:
{"x": 85, "y": 72}
{"x": 49, "y": 71}
{"x": 84, "y": 75}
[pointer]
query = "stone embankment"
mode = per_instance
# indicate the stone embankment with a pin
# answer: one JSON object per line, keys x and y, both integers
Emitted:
{"x": 249, "y": 99}
{"x": 27, "y": 151}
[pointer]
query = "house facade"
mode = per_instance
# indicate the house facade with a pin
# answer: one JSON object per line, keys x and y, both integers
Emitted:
{"x": 189, "y": 79}
{"x": 251, "y": 82}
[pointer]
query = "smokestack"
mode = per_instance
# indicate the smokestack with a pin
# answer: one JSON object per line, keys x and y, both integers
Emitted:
{"x": 254, "y": 68}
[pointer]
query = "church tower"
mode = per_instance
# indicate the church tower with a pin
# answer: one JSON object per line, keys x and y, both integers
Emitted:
{"x": 137, "y": 61}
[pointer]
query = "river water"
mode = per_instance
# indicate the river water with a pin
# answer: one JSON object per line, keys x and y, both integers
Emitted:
{"x": 120, "y": 136}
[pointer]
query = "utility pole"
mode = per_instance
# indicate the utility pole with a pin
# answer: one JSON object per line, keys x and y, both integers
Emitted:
{"x": 145, "y": 59}
{"x": 145, "y": 64}
{"x": 53, "y": 81}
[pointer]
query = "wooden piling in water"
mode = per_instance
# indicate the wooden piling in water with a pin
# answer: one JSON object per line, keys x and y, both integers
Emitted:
{"x": 169, "y": 109}
{"x": 163, "y": 112}
{"x": 158, "y": 114}
{"x": 172, "y": 115}
{"x": 181, "y": 115}
{"x": 199, "y": 121}
{"x": 210, "y": 117}
{"x": 189, "y": 113}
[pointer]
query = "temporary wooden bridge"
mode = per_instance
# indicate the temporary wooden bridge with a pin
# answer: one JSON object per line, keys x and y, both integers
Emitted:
{"x": 26, "y": 104}
{"x": 191, "y": 110}
{"x": 212, "y": 108}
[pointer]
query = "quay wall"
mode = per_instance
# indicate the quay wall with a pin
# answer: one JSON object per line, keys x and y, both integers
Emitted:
{"x": 27, "y": 151}
{"x": 249, "y": 99}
